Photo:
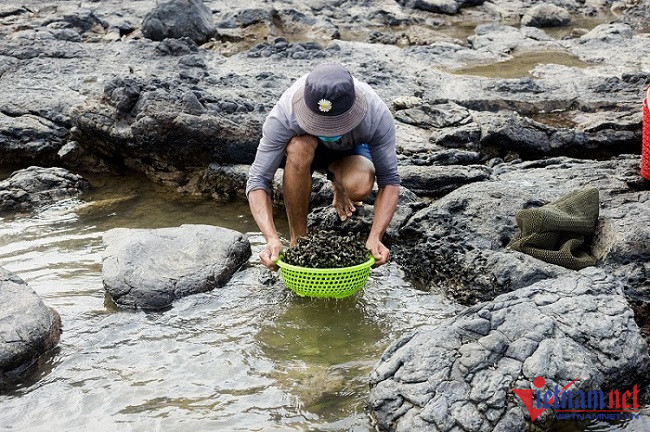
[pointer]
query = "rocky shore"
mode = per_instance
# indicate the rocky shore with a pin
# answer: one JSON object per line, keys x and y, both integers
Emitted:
{"x": 499, "y": 106}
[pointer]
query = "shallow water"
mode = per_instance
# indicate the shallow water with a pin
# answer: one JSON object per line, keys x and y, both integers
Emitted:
{"x": 244, "y": 357}
{"x": 522, "y": 64}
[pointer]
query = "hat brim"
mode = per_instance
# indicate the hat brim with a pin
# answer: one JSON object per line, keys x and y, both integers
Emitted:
{"x": 322, "y": 125}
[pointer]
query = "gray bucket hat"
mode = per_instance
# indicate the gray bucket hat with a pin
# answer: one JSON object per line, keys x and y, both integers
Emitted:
{"x": 329, "y": 104}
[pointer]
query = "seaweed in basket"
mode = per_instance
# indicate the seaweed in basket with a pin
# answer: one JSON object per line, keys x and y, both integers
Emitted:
{"x": 327, "y": 249}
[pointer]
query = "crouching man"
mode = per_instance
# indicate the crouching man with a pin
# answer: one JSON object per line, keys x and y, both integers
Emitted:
{"x": 326, "y": 120}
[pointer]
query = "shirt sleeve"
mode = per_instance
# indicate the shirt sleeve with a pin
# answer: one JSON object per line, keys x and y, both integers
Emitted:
{"x": 276, "y": 133}
{"x": 382, "y": 150}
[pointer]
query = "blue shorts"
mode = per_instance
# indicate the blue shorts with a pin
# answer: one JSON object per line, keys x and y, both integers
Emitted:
{"x": 325, "y": 156}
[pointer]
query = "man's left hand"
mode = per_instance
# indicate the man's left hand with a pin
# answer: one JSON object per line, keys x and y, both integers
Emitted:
{"x": 379, "y": 251}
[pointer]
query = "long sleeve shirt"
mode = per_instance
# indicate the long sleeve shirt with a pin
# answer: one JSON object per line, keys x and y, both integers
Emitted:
{"x": 377, "y": 129}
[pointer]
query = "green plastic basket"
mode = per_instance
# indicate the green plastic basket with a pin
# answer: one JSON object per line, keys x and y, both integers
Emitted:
{"x": 325, "y": 282}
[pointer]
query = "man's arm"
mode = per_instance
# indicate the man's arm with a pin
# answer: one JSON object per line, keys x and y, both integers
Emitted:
{"x": 262, "y": 210}
{"x": 385, "y": 206}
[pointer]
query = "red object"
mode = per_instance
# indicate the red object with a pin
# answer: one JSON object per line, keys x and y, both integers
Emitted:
{"x": 645, "y": 152}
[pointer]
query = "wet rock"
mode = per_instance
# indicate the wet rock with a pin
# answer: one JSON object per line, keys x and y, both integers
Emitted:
{"x": 460, "y": 374}
{"x": 73, "y": 156}
{"x": 461, "y": 245}
{"x": 149, "y": 268}
{"x": 33, "y": 187}
{"x": 440, "y": 180}
{"x": 27, "y": 138}
{"x": 179, "y": 18}
{"x": 28, "y": 328}
{"x": 546, "y": 15}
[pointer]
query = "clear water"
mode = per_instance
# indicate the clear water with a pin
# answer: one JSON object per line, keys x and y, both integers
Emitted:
{"x": 245, "y": 357}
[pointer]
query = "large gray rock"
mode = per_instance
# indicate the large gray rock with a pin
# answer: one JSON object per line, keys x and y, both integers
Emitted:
{"x": 149, "y": 268}
{"x": 179, "y": 18}
{"x": 459, "y": 375}
{"x": 460, "y": 240}
{"x": 28, "y": 328}
{"x": 167, "y": 133}
{"x": 546, "y": 15}
{"x": 32, "y": 187}
{"x": 440, "y": 180}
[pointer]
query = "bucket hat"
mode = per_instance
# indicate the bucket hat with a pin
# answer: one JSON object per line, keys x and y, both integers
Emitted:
{"x": 329, "y": 103}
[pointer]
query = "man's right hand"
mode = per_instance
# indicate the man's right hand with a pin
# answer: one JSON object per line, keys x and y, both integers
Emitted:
{"x": 270, "y": 253}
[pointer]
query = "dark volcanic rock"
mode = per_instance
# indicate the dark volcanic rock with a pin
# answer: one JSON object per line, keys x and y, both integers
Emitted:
{"x": 32, "y": 187}
{"x": 149, "y": 268}
{"x": 28, "y": 138}
{"x": 459, "y": 375}
{"x": 460, "y": 240}
{"x": 28, "y": 328}
{"x": 440, "y": 180}
{"x": 179, "y": 18}
{"x": 449, "y": 7}
{"x": 167, "y": 133}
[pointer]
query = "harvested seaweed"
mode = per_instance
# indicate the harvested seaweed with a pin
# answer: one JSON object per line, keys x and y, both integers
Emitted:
{"x": 327, "y": 249}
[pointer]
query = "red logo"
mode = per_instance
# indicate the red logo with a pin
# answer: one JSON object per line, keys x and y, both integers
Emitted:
{"x": 579, "y": 404}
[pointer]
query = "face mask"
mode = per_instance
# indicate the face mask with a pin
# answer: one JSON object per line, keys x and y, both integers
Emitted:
{"x": 330, "y": 139}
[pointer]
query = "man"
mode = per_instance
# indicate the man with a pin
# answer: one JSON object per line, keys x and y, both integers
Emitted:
{"x": 326, "y": 119}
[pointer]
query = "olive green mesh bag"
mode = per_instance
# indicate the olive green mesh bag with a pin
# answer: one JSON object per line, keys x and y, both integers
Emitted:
{"x": 556, "y": 232}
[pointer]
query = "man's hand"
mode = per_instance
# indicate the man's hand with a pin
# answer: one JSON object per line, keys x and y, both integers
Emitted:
{"x": 379, "y": 251}
{"x": 270, "y": 253}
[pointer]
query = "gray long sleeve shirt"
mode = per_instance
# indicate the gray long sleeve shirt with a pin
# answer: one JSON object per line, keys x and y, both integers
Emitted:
{"x": 377, "y": 129}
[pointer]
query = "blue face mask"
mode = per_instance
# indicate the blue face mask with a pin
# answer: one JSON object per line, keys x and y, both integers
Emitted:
{"x": 330, "y": 139}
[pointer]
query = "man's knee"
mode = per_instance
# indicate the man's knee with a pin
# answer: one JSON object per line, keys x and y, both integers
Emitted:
{"x": 358, "y": 184}
{"x": 300, "y": 151}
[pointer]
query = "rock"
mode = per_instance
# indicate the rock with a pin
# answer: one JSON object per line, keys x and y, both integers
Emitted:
{"x": 440, "y": 180}
{"x": 167, "y": 134}
{"x": 546, "y": 15}
{"x": 73, "y": 156}
{"x": 179, "y": 18}
{"x": 33, "y": 187}
{"x": 177, "y": 47}
{"x": 449, "y": 7}
{"x": 461, "y": 373}
{"x": 438, "y": 116}
{"x": 446, "y": 157}
{"x": 28, "y": 138}
{"x": 149, "y": 268}
{"x": 560, "y": 136}
{"x": 28, "y": 328}
{"x": 460, "y": 244}
{"x": 609, "y": 32}
{"x": 221, "y": 182}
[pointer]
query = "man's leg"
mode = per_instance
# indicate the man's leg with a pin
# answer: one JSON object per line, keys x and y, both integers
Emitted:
{"x": 353, "y": 179}
{"x": 297, "y": 183}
